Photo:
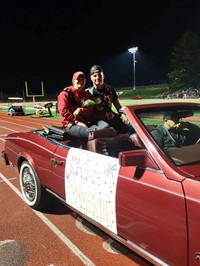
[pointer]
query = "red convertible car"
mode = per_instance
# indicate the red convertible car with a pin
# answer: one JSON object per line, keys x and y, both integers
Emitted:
{"x": 127, "y": 185}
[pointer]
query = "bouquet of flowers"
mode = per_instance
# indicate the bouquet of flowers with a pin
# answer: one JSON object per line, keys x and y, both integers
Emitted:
{"x": 91, "y": 102}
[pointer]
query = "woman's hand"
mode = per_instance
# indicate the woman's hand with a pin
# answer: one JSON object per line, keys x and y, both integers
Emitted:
{"x": 77, "y": 112}
{"x": 81, "y": 124}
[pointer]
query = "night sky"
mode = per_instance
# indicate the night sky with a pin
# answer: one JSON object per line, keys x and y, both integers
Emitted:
{"x": 49, "y": 40}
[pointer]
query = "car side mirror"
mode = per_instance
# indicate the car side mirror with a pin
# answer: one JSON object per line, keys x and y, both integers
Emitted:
{"x": 138, "y": 158}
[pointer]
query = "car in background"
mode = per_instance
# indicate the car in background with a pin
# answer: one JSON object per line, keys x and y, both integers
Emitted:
{"x": 16, "y": 110}
{"x": 137, "y": 97}
{"x": 144, "y": 197}
{"x": 16, "y": 107}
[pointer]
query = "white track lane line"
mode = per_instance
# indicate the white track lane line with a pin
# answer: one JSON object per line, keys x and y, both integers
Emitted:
{"x": 8, "y": 129}
{"x": 60, "y": 235}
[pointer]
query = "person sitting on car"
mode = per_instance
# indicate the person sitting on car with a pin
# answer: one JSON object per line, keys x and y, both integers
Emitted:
{"x": 74, "y": 117}
{"x": 175, "y": 133}
{"x": 107, "y": 97}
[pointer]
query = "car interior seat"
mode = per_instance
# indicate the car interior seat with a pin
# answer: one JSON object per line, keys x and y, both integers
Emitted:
{"x": 107, "y": 142}
{"x": 137, "y": 141}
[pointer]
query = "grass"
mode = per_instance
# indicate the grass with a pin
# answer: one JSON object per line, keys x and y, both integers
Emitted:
{"x": 148, "y": 96}
{"x": 145, "y": 93}
{"x": 126, "y": 102}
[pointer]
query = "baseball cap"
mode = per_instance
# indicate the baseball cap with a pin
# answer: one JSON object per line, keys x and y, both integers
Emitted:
{"x": 78, "y": 74}
{"x": 95, "y": 69}
{"x": 174, "y": 116}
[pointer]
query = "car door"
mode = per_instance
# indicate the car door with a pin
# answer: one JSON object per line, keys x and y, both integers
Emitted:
{"x": 58, "y": 162}
{"x": 151, "y": 213}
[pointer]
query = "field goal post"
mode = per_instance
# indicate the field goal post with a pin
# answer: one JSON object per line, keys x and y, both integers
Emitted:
{"x": 34, "y": 95}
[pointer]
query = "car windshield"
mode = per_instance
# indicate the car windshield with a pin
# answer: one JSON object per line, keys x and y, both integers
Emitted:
{"x": 176, "y": 130}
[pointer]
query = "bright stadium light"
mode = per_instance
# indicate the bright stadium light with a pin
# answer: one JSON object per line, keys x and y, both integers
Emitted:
{"x": 133, "y": 50}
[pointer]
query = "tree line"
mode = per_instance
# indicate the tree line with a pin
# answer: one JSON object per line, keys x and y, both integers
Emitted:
{"x": 185, "y": 63}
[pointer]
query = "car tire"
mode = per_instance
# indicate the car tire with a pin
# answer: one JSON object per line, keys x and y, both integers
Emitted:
{"x": 33, "y": 192}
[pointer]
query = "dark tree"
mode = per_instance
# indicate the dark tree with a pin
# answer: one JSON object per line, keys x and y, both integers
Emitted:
{"x": 185, "y": 63}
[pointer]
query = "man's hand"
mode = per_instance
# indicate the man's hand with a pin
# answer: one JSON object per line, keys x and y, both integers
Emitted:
{"x": 125, "y": 119}
{"x": 109, "y": 115}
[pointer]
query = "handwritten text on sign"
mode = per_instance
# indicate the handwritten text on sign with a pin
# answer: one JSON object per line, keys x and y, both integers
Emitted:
{"x": 90, "y": 185}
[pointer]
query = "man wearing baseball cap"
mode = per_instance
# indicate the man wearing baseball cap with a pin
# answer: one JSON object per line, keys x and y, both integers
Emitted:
{"x": 96, "y": 69}
{"x": 174, "y": 133}
{"x": 109, "y": 98}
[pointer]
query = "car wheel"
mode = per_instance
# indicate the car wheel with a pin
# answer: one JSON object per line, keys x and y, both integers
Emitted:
{"x": 33, "y": 192}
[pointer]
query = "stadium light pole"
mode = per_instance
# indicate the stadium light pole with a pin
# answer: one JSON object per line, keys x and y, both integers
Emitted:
{"x": 133, "y": 50}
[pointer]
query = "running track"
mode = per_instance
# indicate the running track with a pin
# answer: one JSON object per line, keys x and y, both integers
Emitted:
{"x": 57, "y": 237}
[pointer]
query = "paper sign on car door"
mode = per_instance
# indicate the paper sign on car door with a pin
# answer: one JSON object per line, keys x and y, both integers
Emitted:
{"x": 90, "y": 185}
